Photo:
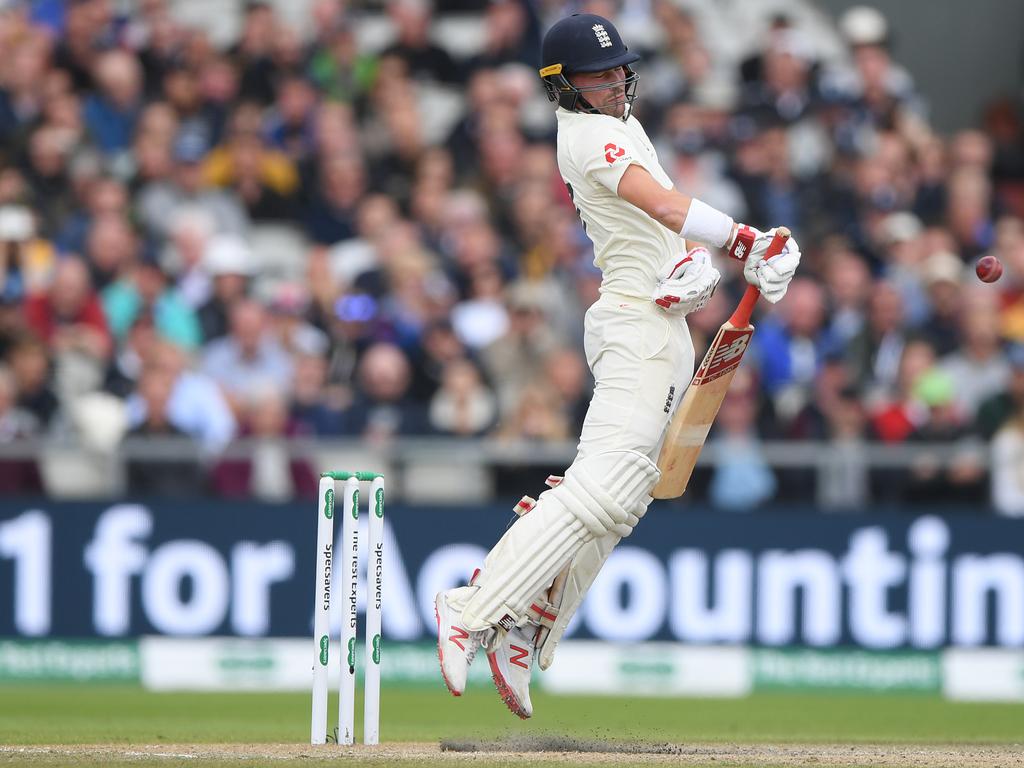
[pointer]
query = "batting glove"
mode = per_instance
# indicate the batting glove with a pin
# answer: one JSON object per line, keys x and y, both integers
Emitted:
{"x": 771, "y": 277}
{"x": 685, "y": 285}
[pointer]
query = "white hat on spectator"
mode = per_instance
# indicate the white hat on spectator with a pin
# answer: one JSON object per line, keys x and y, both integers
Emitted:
{"x": 793, "y": 43}
{"x": 228, "y": 255}
{"x": 16, "y": 223}
{"x": 943, "y": 266}
{"x": 864, "y": 25}
{"x": 900, "y": 227}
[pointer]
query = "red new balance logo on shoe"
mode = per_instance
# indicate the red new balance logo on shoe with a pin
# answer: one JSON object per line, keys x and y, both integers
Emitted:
{"x": 521, "y": 653}
{"x": 460, "y": 634}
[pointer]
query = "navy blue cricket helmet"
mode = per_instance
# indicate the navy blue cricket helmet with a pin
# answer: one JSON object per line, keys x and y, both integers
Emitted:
{"x": 583, "y": 42}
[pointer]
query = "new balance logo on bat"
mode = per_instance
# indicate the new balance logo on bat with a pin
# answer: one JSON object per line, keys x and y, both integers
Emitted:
{"x": 727, "y": 355}
{"x": 602, "y": 35}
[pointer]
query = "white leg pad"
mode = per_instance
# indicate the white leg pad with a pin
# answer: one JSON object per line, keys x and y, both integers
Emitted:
{"x": 580, "y": 574}
{"x": 603, "y": 494}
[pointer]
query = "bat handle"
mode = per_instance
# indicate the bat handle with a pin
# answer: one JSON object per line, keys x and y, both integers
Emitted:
{"x": 741, "y": 317}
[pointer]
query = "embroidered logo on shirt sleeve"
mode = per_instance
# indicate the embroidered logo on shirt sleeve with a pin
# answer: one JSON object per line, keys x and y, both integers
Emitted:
{"x": 613, "y": 152}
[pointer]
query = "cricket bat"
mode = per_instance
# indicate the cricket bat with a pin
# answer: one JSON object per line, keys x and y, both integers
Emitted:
{"x": 696, "y": 413}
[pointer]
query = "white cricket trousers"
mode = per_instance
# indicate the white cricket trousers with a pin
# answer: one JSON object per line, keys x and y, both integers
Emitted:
{"x": 642, "y": 361}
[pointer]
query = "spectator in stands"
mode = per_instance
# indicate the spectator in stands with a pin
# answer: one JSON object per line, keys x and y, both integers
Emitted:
{"x": 317, "y": 407}
{"x": 876, "y": 90}
{"x": 252, "y": 54}
{"x": 849, "y": 286}
{"x": 534, "y": 414}
{"x": 88, "y": 30}
{"x": 16, "y": 475}
{"x": 1008, "y": 465}
{"x": 874, "y": 353}
{"x": 157, "y": 38}
{"x": 271, "y": 473}
{"x": 230, "y": 264}
{"x": 695, "y": 167}
{"x": 195, "y": 405}
{"x": 942, "y": 275}
{"x": 338, "y": 66}
{"x": 20, "y": 97}
{"x": 182, "y": 94}
{"x": 134, "y": 355}
{"x": 26, "y": 261}
{"x": 517, "y": 357}
{"x": 784, "y": 85}
{"x": 331, "y": 215}
{"x": 104, "y": 197}
{"x": 844, "y": 479}
{"x": 112, "y": 111}
{"x": 181, "y": 476}
{"x": 995, "y": 411}
{"x": 218, "y": 85}
{"x": 30, "y": 366}
{"x": 481, "y": 318}
{"x": 565, "y": 372}
{"x": 264, "y": 180}
{"x": 70, "y": 319}
{"x": 790, "y": 347}
{"x": 1009, "y": 249}
{"x": 145, "y": 295}
{"x": 463, "y": 406}
{"x": 439, "y": 347}
{"x": 969, "y": 211}
{"x": 383, "y": 408}
{"x": 111, "y": 249}
{"x": 978, "y": 367}
{"x": 424, "y": 59}
{"x": 249, "y": 359}
{"x": 900, "y": 246}
{"x": 290, "y": 127}
{"x": 896, "y": 417}
{"x": 47, "y": 176}
{"x": 932, "y": 478}
{"x": 511, "y": 36}
{"x": 402, "y": 138}
{"x": 158, "y": 201}
{"x": 741, "y": 479}
{"x": 188, "y": 238}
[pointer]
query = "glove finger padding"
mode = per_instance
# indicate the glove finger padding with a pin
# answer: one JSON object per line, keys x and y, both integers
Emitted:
{"x": 695, "y": 261}
{"x": 772, "y": 277}
{"x": 687, "y": 283}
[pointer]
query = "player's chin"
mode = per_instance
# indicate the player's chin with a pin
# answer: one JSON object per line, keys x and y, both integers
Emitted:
{"x": 615, "y": 109}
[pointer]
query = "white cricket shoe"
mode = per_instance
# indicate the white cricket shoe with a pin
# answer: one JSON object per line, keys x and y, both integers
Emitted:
{"x": 511, "y": 666}
{"x": 456, "y": 646}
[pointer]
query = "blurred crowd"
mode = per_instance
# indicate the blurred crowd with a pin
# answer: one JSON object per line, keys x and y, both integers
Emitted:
{"x": 311, "y": 236}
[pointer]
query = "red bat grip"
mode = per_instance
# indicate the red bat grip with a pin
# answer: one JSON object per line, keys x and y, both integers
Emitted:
{"x": 741, "y": 317}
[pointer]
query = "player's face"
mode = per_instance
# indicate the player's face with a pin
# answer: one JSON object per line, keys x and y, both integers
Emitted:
{"x": 610, "y": 96}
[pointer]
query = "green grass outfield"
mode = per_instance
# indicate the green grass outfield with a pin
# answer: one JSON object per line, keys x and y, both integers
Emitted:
{"x": 67, "y": 715}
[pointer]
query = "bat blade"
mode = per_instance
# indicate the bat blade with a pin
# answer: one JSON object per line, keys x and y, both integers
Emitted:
{"x": 696, "y": 413}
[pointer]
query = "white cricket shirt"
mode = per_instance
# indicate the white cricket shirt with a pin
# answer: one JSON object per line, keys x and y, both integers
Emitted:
{"x": 629, "y": 246}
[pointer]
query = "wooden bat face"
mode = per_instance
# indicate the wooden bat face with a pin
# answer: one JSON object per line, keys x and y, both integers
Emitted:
{"x": 692, "y": 422}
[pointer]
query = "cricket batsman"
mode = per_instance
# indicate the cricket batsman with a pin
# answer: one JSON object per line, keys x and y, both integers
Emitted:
{"x": 638, "y": 348}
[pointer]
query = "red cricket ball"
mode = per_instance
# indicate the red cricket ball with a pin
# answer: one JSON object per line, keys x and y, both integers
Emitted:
{"x": 989, "y": 269}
